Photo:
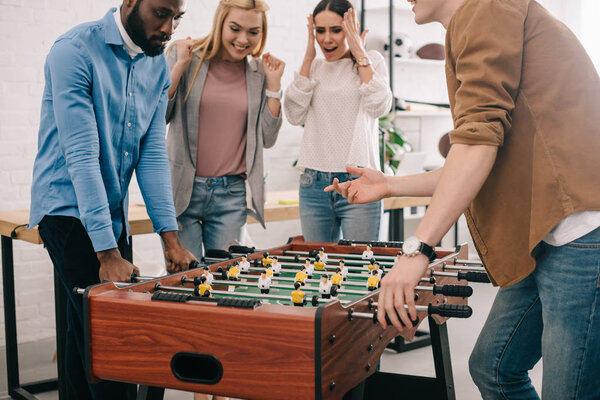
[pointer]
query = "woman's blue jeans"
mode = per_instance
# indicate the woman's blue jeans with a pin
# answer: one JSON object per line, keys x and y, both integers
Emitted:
{"x": 553, "y": 314}
{"x": 322, "y": 214}
{"x": 216, "y": 214}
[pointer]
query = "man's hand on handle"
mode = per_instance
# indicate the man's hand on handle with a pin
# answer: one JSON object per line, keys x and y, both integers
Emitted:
{"x": 114, "y": 268}
{"x": 178, "y": 257}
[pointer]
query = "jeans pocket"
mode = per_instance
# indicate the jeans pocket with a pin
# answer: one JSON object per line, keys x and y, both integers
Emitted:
{"x": 237, "y": 188}
{"x": 307, "y": 180}
{"x": 590, "y": 240}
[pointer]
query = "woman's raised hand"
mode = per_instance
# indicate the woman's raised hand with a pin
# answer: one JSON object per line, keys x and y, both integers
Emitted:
{"x": 184, "y": 51}
{"x": 311, "y": 51}
{"x": 356, "y": 40}
{"x": 273, "y": 68}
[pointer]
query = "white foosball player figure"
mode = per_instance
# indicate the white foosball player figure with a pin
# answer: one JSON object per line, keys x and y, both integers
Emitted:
{"x": 264, "y": 283}
{"x": 368, "y": 253}
{"x": 275, "y": 266}
{"x": 244, "y": 264}
{"x": 325, "y": 287}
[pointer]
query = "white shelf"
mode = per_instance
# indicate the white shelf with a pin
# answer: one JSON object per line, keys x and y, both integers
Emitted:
{"x": 419, "y": 62}
{"x": 444, "y": 113}
{"x": 379, "y": 5}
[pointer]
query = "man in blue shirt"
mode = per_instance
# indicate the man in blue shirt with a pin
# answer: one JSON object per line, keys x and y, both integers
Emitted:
{"x": 102, "y": 118}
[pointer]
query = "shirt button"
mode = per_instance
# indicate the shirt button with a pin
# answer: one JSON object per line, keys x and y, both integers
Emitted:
{"x": 122, "y": 179}
{"x": 130, "y": 94}
{"x": 126, "y": 154}
{"x": 129, "y": 124}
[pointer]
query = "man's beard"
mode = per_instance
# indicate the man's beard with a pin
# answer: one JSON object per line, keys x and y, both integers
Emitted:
{"x": 136, "y": 31}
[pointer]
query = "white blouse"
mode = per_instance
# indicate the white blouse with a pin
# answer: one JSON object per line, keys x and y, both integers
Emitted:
{"x": 340, "y": 115}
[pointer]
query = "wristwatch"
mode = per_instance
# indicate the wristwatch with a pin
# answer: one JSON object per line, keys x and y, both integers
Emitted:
{"x": 363, "y": 61}
{"x": 275, "y": 95}
{"x": 413, "y": 246}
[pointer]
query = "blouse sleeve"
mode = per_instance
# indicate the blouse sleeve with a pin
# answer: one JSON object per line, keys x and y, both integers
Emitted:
{"x": 377, "y": 96}
{"x": 298, "y": 97}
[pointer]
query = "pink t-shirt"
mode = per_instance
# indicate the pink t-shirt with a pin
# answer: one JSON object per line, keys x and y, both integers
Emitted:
{"x": 222, "y": 121}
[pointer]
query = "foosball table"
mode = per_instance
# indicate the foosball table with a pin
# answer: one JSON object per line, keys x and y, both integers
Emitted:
{"x": 224, "y": 329}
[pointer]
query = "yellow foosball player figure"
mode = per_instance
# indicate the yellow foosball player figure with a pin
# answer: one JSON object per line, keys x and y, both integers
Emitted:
{"x": 275, "y": 266}
{"x": 244, "y": 264}
{"x": 371, "y": 265}
{"x": 368, "y": 253}
{"x": 298, "y": 295}
{"x": 343, "y": 269}
{"x": 233, "y": 272}
{"x": 373, "y": 281}
{"x": 323, "y": 255}
{"x": 325, "y": 287}
{"x": 269, "y": 271}
{"x": 264, "y": 283}
{"x": 310, "y": 268}
{"x": 266, "y": 259}
{"x": 204, "y": 288}
{"x": 301, "y": 276}
{"x": 319, "y": 264}
{"x": 337, "y": 278}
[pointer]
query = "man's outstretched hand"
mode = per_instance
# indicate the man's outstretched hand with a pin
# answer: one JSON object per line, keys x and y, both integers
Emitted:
{"x": 371, "y": 186}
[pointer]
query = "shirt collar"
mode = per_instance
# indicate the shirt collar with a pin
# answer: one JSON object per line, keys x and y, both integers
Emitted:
{"x": 132, "y": 48}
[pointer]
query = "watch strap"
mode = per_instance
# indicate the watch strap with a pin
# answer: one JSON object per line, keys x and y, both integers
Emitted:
{"x": 428, "y": 251}
{"x": 275, "y": 95}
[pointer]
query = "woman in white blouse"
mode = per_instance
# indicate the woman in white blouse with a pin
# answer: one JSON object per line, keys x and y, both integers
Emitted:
{"x": 338, "y": 99}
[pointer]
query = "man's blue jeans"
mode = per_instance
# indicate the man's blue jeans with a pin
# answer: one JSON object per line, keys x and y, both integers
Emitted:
{"x": 216, "y": 214}
{"x": 323, "y": 214}
{"x": 554, "y": 314}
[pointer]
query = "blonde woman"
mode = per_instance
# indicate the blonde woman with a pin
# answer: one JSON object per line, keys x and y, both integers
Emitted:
{"x": 224, "y": 108}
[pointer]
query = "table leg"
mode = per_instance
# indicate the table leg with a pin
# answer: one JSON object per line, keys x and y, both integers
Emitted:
{"x": 15, "y": 389}
{"x": 396, "y": 227}
{"x": 60, "y": 306}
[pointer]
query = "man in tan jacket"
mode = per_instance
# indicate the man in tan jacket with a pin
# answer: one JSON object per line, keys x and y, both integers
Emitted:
{"x": 524, "y": 168}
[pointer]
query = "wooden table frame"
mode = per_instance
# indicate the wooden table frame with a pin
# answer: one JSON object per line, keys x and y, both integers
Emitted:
{"x": 13, "y": 226}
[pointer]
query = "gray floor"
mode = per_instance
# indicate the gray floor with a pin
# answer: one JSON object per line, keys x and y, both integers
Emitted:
{"x": 36, "y": 358}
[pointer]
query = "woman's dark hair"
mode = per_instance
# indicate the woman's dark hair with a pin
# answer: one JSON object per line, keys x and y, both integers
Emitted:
{"x": 337, "y": 6}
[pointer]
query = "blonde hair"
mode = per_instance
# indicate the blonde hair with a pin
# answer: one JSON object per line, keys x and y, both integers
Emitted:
{"x": 210, "y": 45}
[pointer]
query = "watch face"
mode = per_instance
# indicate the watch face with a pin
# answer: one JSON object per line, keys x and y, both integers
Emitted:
{"x": 411, "y": 245}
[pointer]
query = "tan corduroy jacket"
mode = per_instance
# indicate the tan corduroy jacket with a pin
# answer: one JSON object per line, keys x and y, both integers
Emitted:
{"x": 519, "y": 79}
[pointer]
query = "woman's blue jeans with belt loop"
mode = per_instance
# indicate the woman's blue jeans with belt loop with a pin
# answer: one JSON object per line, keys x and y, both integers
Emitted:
{"x": 553, "y": 314}
{"x": 323, "y": 215}
{"x": 216, "y": 214}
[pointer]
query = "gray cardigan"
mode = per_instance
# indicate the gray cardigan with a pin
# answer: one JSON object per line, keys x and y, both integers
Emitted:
{"x": 182, "y": 138}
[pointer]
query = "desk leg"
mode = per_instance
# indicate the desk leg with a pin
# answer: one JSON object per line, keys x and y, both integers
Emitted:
{"x": 396, "y": 226}
{"x": 10, "y": 318}
{"x": 60, "y": 307}
{"x": 15, "y": 389}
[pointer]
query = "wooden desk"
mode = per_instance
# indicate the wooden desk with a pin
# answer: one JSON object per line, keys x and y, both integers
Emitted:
{"x": 13, "y": 226}
{"x": 13, "y": 222}
{"x": 274, "y": 211}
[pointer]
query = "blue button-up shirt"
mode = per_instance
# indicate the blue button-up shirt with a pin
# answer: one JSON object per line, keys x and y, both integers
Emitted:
{"x": 103, "y": 116}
